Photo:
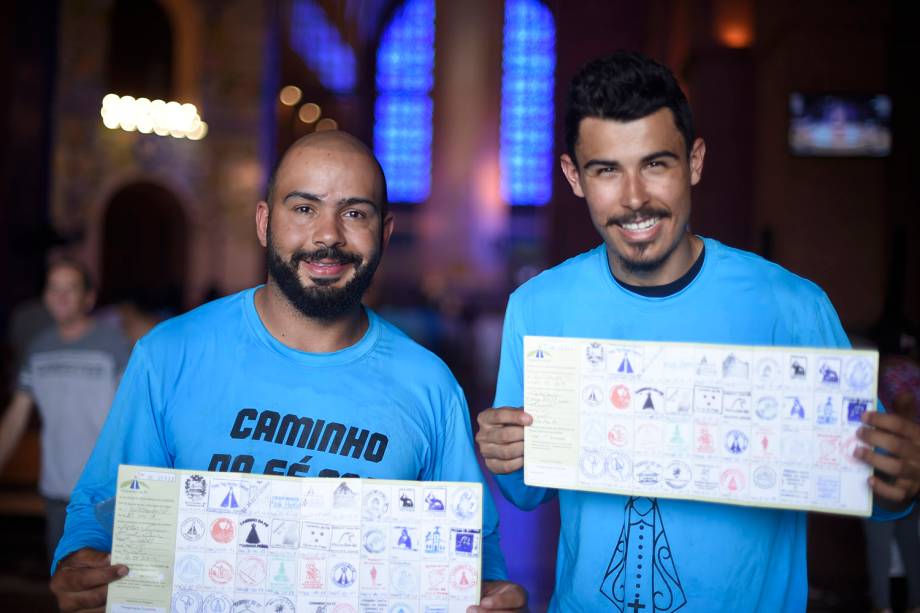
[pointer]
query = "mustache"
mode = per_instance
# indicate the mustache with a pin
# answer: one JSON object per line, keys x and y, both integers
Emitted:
{"x": 326, "y": 253}
{"x": 643, "y": 213}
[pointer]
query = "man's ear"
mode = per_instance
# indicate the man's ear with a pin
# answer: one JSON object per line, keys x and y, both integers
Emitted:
{"x": 388, "y": 225}
{"x": 570, "y": 170}
{"x": 262, "y": 214}
{"x": 697, "y": 154}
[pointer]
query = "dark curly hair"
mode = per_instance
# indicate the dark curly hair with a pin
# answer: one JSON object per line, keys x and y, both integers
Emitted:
{"x": 625, "y": 86}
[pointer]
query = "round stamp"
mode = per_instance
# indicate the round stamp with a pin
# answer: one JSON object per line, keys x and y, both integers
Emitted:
{"x": 403, "y": 579}
{"x": 859, "y": 374}
{"x": 185, "y": 601}
{"x": 618, "y": 466}
{"x": 465, "y": 503}
{"x": 189, "y": 570}
{"x": 732, "y": 481}
{"x": 677, "y": 475}
{"x": 647, "y": 473}
{"x": 764, "y": 477}
{"x": 223, "y": 530}
{"x": 616, "y": 436}
{"x": 592, "y": 464}
{"x": 246, "y": 606}
{"x": 192, "y": 529}
{"x": 375, "y": 541}
{"x": 592, "y": 395}
{"x": 620, "y": 396}
{"x": 463, "y": 578}
{"x": 736, "y": 442}
{"x": 767, "y": 408}
{"x": 251, "y": 571}
{"x": 279, "y": 605}
{"x": 376, "y": 505}
{"x": 344, "y": 575}
{"x": 217, "y": 603}
{"x": 221, "y": 572}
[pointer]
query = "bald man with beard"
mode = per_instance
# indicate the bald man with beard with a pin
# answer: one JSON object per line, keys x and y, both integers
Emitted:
{"x": 295, "y": 377}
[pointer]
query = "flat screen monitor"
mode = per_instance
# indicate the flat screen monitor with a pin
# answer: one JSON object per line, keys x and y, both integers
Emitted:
{"x": 848, "y": 125}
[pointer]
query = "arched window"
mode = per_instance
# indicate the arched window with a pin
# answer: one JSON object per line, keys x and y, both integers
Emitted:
{"x": 403, "y": 111}
{"x": 528, "y": 67}
{"x": 318, "y": 42}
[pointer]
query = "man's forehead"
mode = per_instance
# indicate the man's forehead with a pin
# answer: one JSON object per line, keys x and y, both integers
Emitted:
{"x": 659, "y": 127}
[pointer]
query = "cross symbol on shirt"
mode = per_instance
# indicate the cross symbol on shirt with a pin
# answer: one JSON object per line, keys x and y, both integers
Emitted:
{"x": 635, "y": 605}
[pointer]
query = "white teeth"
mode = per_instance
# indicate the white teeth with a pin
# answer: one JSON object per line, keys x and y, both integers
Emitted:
{"x": 638, "y": 226}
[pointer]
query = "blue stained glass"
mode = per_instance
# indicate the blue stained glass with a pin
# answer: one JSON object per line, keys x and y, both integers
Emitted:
{"x": 322, "y": 48}
{"x": 403, "y": 111}
{"x": 528, "y": 112}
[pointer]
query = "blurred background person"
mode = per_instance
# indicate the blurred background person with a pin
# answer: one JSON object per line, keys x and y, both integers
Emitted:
{"x": 70, "y": 372}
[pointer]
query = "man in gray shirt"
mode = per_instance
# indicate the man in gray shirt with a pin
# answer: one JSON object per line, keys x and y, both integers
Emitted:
{"x": 70, "y": 371}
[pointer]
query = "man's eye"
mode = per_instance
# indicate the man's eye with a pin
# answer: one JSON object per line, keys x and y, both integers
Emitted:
{"x": 354, "y": 214}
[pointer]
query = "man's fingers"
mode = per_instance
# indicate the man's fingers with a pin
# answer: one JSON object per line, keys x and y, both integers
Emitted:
{"x": 504, "y": 416}
{"x": 501, "y": 452}
{"x": 896, "y": 492}
{"x": 892, "y": 443}
{"x": 93, "y": 599}
{"x": 892, "y": 423}
{"x": 887, "y": 464}
{"x": 503, "y": 467}
{"x": 502, "y": 435}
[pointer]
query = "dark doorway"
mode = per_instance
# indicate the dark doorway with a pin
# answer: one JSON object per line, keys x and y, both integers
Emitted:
{"x": 144, "y": 249}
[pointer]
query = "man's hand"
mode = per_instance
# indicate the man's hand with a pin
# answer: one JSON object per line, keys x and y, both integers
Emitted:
{"x": 899, "y": 437}
{"x": 500, "y": 596}
{"x": 501, "y": 438}
{"x": 81, "y": 581}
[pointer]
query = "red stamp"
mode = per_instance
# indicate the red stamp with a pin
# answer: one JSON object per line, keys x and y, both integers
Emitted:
{"x": 704, "y": 440}
{"x": 222, "y": 530}
{"x": 617, "y": 436}
{"x": 251, "y": 571}
{"x": 733, "y": 481}
{"x": 220, "y": 572}
{"x": 620, "y": 396}
{"x": 463, "y": 578}
{"x": 311, "y": 576}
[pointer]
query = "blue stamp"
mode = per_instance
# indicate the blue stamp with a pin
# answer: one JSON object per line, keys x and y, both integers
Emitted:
{"x": 764, "y": 477}
{"x": 185, "y": 601}
{"x": 796, "y": 407}
{"x": 736, "y": 442}
{"x": 465, "y": 504}
{"x": 279, "y": 604}
{"x": 434, "y": 500}
{"x": 595, "y": 354}
{"x": 434, "y": 541}
{"x": 767, "y": 408}
{"x": 189, "y": 570}
{"x": 829, "y": 371}
{"x": 826, "y": 412}
{"x": 344, "y": 575}
{"x": 855, "y": 408}
{"x": 375, "y": 541}
{"x": 465, "y": 542}
{"x": 859, "y": 374}
{"x": 217, "y": 603}
{"x": 798, "y": 368}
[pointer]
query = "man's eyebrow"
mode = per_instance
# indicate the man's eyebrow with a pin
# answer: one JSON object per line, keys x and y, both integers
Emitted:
{"x": 304, "y": 196}
{"x": 358, "y": 200}
{"x": 664, "y": 153}
{"x": 611, "y": 163}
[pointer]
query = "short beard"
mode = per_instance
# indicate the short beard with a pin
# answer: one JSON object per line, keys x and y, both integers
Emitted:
{"x": 321, "y": 302}
{"x": 638, "y": 265}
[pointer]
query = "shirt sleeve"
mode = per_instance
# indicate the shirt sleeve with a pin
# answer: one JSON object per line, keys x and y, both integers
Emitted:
{"x": 509, "y": 392}
{"x": 457, "y": 462}
{"x": 132, "y": 434}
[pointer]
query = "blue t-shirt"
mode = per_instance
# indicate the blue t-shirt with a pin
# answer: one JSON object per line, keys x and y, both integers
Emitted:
{"x": 702, "y": 556}
{"x": 214, "y": 390}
